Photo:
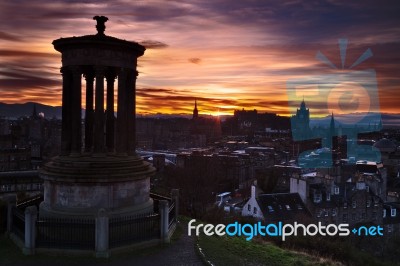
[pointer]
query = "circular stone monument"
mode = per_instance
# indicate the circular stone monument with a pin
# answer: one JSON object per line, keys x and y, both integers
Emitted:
{"x": 98, "y": 167}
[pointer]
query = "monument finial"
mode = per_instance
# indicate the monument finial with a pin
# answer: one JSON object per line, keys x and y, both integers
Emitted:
{"x": 101, "y": 27}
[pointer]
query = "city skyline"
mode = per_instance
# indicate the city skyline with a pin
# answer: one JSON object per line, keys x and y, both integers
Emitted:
{"x": 227, "y": 55}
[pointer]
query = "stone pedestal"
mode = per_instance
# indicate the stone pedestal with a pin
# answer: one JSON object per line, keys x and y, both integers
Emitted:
{"x": 80, "y": 186}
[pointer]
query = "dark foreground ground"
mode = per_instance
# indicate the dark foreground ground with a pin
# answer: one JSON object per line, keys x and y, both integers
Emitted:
{"x": 181, "y": 251}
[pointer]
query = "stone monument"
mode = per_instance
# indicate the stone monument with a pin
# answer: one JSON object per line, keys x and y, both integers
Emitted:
{"x": 98, "y": 167}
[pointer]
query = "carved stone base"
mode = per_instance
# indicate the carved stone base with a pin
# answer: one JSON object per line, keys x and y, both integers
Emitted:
{"x": 80, "y": 186}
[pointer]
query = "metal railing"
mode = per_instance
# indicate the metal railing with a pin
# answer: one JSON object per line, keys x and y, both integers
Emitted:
{"x": 133, "y": 229}
{"x": 171, "y": 216}
{"x": 66, "y": 233}
{"x": 18, "y": 223}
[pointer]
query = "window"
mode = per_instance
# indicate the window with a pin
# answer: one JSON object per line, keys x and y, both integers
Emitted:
{"x": 363, "y": 215}
{"x": 317, "y": 198}
{"x": 367, "y": 188}
{"x": 270, "y": 209}
{"x": 345, "y": 217}
{"x": 393, "y": 212}
{"x": 384, "y": 213}
{"x": 336, "y": 190}
{"x": 368, "y": 203}
{"x": 333, "y": 212}
{"x": 249, "y": 207}
{"x": 255, "y": 210}
{"x": 328, "y": 196}
{"x": 354, "y": 217}
{"x": 345, "y": 205}
{"x": 288, "y": 207}
{"x": 354, "y": 204}
{"x": 390, "y": 228}
{"x": 373, "y": 215}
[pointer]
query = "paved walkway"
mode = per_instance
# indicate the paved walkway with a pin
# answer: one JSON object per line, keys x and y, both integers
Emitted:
{"x": 180, "y": 253}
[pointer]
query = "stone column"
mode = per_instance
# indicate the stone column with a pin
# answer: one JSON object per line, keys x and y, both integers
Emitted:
{"x": 110, "y": 111}
{"x": 89, "y": 76}
{"x": 66, "y": 112}
{"x": 131, "y": 94}
{"x": 122, "y": 117}
{"x": 164, "y": 208}
{"x": 99, "y": 112}
{"x": 30, "y": 230}
{"x": 76, "y": 108}
{"x": 102, "y": 234}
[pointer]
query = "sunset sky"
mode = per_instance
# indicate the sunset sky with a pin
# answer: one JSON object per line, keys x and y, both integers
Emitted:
{"x": 227, "y": 54}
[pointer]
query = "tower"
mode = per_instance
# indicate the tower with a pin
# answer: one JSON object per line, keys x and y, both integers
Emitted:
{"x": 301, "y": 123}
{"x": 103, "y": 172}
{"x": 34, "y": 112}
{"x": 332, "y": 126}
{"x": 195, "y": 111}
{"x": 330, "y": 143}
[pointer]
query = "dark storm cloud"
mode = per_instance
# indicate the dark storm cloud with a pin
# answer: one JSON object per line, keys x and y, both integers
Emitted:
{"x": 169, "y": 95}
{"x": 9, "y": 37}
{"x": 311, "y": 21}
{"x": 19, "y": 53}
{"x": 151, "y": 44}
{"x": 14, "y": 80}
{"x": 195, "y": 60}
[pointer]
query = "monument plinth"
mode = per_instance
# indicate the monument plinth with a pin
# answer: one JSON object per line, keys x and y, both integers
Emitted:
{"x": 98, "y": 167}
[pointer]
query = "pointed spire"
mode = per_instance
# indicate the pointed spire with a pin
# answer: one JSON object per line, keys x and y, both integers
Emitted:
{"x": 34, "y": 113}
{"x": 332, "y": 125}
{"x": 303, "y": 104}
{"x": 195, "y": 111}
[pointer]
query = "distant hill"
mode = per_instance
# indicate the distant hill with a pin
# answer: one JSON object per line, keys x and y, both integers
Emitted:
{"x": 388, "y": 120}
{"x": 16, "y": 110}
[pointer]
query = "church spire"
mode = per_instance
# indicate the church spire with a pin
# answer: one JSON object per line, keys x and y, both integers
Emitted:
{"x": 195, "y": 111}
{"x": 34, "y": 113}
{"x": 303, "y": 105}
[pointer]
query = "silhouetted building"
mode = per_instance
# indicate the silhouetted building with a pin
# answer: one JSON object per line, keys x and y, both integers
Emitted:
{"x": 195, "y": 111}
{"x": 249, "y": 122}
{"x": 15, "y": 159}
{"x": 301, "y": 123}
{"x": 204, "y": 129}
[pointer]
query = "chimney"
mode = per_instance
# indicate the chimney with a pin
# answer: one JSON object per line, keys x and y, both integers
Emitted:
{"x": 253, "y": 191}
